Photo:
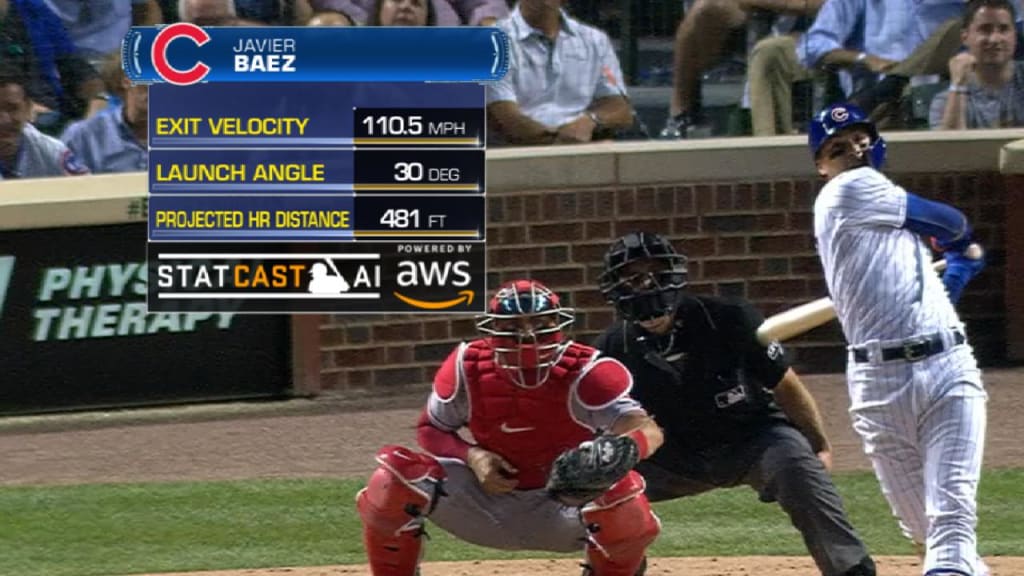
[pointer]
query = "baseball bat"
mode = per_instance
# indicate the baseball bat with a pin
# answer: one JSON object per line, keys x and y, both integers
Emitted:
{"x": 806, "y": 317}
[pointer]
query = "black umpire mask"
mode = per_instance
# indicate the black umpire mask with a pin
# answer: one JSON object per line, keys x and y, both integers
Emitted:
{"x": 644, "y": 276}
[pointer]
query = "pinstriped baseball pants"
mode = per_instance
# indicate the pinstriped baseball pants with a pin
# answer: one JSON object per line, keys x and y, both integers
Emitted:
{"x": 923, "y": 426}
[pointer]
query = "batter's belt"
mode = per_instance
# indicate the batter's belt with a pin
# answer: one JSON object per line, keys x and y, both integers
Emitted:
{"x": 911, "y": 349}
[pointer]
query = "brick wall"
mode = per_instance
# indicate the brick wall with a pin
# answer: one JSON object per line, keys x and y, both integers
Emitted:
{"x": 749, "y": 239}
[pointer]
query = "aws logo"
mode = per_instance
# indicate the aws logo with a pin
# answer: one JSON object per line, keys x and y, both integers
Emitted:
{"x": 438, "y": 276}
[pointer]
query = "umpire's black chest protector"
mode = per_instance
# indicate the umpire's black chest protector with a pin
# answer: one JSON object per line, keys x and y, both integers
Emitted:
{"x": 700, "y": 382}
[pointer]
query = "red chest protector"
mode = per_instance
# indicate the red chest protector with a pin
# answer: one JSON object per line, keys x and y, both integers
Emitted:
{"x": 529, "y": 427}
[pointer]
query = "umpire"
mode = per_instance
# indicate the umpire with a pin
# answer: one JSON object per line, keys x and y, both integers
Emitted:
{"x": 732, "y": 410}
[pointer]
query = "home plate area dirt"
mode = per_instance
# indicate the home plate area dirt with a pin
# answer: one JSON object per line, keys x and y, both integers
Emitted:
{"x": 714, "y": 566}
{"x": 284, "y": 443}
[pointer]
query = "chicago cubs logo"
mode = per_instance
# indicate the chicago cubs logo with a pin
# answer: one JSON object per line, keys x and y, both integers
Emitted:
{"x": 840, "y": 114}
{"x": 162, "y": 43}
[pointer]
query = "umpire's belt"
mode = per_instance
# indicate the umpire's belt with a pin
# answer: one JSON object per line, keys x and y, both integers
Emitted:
{"x": 912, "y": 349}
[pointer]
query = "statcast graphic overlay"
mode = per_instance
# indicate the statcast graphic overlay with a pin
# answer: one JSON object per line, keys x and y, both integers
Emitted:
{"x": 278, "y": 184}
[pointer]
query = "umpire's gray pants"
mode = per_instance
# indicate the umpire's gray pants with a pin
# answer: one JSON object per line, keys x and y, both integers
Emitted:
{"x": 779, "y": 464}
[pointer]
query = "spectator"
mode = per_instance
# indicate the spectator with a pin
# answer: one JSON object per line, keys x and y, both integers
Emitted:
{"x": 564, "y": 83}
{"x": 203, "y": 12}
{"x": 213, "y": 13}
{"x": 931, "y": 57}
{"x": 772, "y": 69}
{"x": 403, "y": 13}
{"x": 60, "y": 82}
{"x": 25, "y": 152}
{"x": 706, "y": 29}
{"x": 274, "y": 12}
{"x": 986, "y": 86}
{"x": 449, "y": 12}
{"x": 97, "y": 27}
{"x": 869, "y": 38}
{"x": 115, "y": 141}
{"x": 328, "y": 18}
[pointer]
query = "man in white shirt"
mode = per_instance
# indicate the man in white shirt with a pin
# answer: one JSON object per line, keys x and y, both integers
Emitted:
{"x": 564, "y": 83}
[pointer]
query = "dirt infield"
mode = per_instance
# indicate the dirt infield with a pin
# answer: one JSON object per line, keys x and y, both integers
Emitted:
{"x": 717, "y": 566}
{"x": 303, "y": 439}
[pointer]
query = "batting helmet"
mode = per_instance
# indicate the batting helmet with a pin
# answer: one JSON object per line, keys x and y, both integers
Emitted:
{"x": 643, "y": 276}
{"x": 525, "y": 325}
{"x": 838, "y": 117}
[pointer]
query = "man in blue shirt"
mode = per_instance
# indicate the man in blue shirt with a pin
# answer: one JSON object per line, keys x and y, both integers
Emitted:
{"x": 883, "y": 43}
{"x": 870, "y": 37}
{"x": 114, "y": 141}
{"x": 33, "y": 38}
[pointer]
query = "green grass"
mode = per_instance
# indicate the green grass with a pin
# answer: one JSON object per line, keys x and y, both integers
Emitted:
{"x": 132, "y": 528}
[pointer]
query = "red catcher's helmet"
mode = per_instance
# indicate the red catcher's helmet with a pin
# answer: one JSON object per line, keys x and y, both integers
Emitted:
{"x": 525, "y": 326}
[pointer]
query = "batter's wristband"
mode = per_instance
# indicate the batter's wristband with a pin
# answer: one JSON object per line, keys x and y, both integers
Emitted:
{"x": 640, "y": 438}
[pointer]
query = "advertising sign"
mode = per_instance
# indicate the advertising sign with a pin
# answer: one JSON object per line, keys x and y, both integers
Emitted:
{"x": 75, "y": 331}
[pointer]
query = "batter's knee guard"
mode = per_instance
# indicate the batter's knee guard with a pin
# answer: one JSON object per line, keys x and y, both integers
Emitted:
{"x": 621, "y": 525}
{"x": 394, "y": 506}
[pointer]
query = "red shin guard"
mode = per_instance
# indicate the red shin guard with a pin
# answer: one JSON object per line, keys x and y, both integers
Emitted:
{"x": 393, "y": 507}
{"x": 622, "y": 526}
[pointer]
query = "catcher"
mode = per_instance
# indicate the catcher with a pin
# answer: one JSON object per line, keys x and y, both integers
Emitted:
{"x": 733, "y": 411}
{"x": 557, "y": 436}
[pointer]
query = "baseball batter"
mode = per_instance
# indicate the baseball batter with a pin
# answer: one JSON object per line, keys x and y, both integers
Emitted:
{"x": 526, "y": 393}
{"x": 916, "y": 393}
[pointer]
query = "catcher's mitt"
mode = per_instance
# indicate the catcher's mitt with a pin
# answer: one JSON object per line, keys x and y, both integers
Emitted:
{"x": 583, "y": 473}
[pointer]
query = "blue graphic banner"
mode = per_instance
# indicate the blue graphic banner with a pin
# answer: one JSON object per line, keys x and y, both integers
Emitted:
{"x": 309, "y": 172}
{"x": 252, "y": 218}
{"x": 308, "y": 115}
{"x": 309, "y": 218}
{"x": 185, "y": 54}
{"x": 250, "y": 171}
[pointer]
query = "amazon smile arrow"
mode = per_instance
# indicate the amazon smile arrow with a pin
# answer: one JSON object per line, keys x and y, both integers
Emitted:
{"x": 464, "y": 295}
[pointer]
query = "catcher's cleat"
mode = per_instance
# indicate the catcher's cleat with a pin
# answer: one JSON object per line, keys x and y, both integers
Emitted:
{"x": 641, "y": 571}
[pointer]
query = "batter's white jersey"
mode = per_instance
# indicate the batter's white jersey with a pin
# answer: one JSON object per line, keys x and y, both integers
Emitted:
{"x": 922, "y": 423}
{"x": 880, "y": 275}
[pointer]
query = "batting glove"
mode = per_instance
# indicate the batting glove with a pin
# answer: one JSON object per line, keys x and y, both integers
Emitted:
{"x": 959, "y": 271}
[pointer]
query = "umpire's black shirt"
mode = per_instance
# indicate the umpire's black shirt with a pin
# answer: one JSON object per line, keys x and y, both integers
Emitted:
{"x": 707, "y": 382}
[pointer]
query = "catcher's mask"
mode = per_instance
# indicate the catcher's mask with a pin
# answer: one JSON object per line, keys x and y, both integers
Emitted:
{"x": 643, "y": 276}
{"x": 525, "y": 327}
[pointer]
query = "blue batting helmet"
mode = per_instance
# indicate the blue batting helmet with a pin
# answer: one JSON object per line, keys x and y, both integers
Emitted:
{"x": 836, "y": 117}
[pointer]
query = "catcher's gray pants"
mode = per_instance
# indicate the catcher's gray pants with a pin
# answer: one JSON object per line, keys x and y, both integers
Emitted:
{"x": 518, "y": 520}
{"x": 779, "y": 464}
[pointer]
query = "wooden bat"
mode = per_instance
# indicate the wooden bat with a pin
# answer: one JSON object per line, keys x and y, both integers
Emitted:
{"x": 806, "y": 317}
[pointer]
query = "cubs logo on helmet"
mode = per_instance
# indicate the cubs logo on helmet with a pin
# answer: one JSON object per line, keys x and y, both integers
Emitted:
{"x": 839, "y": 114}
{"x": 837, "y": 117}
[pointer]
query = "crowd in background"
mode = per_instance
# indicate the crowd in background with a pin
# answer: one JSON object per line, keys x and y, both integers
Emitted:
{"x": 66, "y": 107}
